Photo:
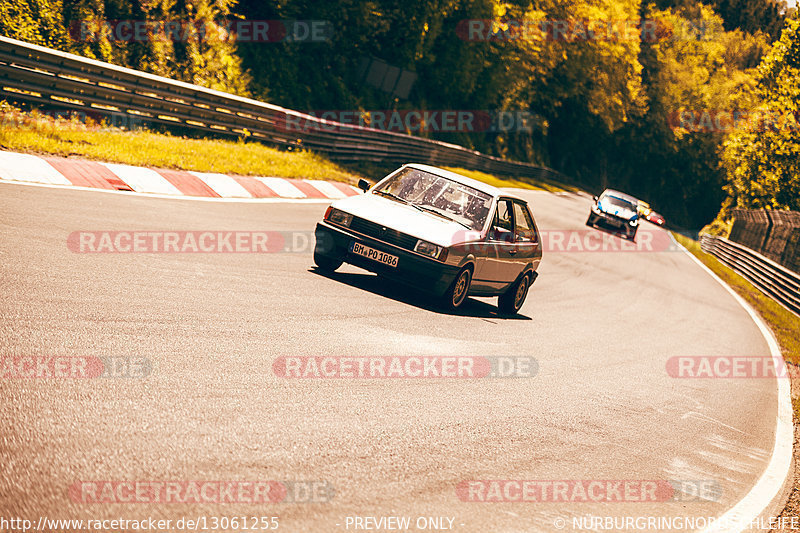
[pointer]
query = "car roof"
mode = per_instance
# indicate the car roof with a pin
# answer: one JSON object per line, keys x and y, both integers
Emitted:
{"x": 621, "y": 195}
{"x": 475, "y": 184}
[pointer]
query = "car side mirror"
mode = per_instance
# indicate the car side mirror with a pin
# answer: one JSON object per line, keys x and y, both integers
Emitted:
{"x": 363, "y": 185}
{"x": 594, "y": 198}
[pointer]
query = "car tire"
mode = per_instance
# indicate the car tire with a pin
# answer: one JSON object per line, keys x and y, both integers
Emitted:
{"x": 590, "y": 221}
{"x": 456, "y": 293}
{"x": 326, "y": 263}
{"x": 631, "y": 235}
{"x": 511, "y": 301}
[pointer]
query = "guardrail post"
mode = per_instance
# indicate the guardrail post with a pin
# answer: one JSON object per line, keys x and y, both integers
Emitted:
{"x": 790, "y": 256}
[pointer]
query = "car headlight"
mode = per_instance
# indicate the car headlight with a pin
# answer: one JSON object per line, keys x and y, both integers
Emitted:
{"x": 431, "y": 250}
{"x": 339, "y": 217}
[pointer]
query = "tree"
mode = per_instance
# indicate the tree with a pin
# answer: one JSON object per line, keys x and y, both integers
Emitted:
{"x": 751, "y": 16}
{"x": 91, "y": 28}
{"x": 762, "y": 160}
{"x": 35, "y": 21}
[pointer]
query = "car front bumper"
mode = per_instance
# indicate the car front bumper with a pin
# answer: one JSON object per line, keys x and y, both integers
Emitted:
{"x": 612, "y": 221}
{"x": 412, "y": 269}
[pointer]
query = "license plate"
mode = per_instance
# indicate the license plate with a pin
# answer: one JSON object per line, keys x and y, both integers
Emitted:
{"x": 372, "y": 253}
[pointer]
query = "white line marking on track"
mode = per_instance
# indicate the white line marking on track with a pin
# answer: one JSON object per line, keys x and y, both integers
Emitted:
{"x": 174, "y": 197}
{"x": 769, "y": 486}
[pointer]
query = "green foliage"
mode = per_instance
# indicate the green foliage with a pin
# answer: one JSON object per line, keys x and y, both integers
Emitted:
{"x": 605, "y": 104}
{"x": 677, "y": 171}
{"x": 751, "y": 16}
{"x": 77, "y": 26}
{"x": 35, "y": 21}
{"x": 763, "y": 159}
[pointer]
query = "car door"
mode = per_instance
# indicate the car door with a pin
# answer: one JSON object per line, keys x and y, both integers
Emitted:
{"x": 500, "y": 267}
{"x": 526, "y": 237}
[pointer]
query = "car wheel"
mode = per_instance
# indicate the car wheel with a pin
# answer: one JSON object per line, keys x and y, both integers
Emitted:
{"x": 325, "y": 263}
{"x": 455, "y": 295}
{"x": 511, "y": 301}
{"x": 590, "y": 221}
{"x": 631, "y": 235}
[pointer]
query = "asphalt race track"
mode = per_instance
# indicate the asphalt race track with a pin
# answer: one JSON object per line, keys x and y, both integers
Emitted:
{"x": 601, "y": 326}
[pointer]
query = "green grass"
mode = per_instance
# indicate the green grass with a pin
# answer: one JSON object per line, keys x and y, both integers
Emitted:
{"x": 32, "y": 133}
{"x": 37, "y": 133}
{"x": 508, "y": 181}
{"x": 784, "y": 323}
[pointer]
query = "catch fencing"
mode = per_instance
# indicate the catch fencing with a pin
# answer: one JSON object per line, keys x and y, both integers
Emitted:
{"x": 773, "y": 234}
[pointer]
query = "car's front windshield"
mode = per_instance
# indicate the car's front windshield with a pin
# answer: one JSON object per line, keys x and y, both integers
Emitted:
{"x": 449, "y": 198}
{"x": 618, "y": 202}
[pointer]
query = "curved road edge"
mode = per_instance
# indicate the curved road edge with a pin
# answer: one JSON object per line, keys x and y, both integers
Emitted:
{"x": 769, "y": 495}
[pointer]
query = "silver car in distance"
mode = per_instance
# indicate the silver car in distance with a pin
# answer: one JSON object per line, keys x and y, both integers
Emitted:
{"x": 436, "y": 230}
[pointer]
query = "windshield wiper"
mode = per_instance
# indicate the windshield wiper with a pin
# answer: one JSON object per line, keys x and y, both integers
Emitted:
{"x": 394, "y": 196}
{"x": 420, "y": 207}
{"x": 439, "y": 213}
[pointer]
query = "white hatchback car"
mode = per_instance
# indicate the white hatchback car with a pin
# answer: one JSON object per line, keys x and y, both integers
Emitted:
{"x": 436, "y": 230}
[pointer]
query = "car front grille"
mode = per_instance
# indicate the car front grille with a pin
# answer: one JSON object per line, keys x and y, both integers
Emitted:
{"x": 617, "y": 218}
{"x": 382, "y": 233}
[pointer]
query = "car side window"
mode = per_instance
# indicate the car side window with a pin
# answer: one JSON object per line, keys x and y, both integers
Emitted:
{"x": 524, "y": 228}
{"x": 503, "y": 224}
{"x": 504, "y": 219}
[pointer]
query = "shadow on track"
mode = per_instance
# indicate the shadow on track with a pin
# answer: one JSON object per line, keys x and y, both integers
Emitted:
{"x": 402, "y": 293}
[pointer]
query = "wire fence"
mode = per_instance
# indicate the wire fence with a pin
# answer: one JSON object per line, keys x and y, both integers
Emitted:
{"x": 774, "y": 234}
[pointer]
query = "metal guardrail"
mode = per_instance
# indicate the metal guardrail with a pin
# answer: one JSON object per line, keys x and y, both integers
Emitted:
{"x": 778, "y": 282}
{"x": 53, "y": 78}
